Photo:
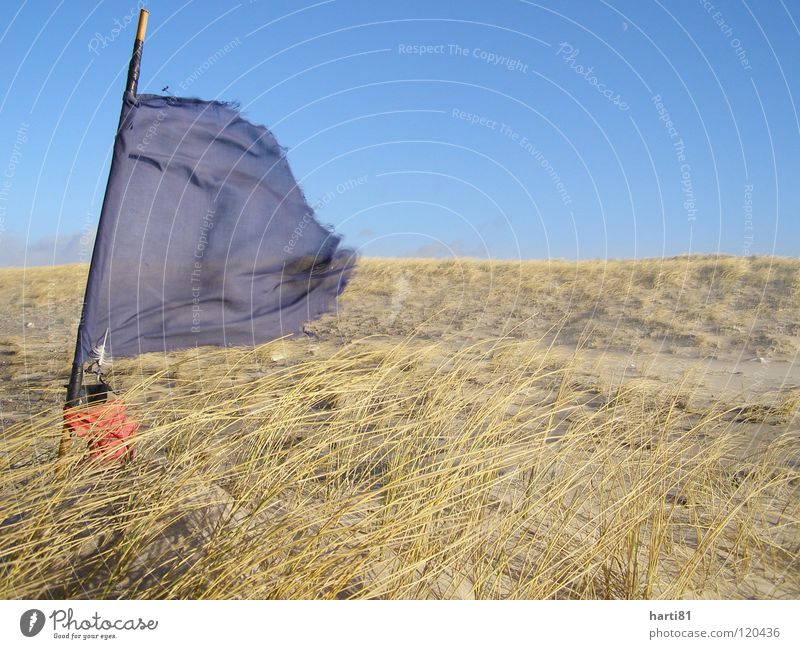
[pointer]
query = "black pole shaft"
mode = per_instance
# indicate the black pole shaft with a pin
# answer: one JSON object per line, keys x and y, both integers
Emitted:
{"x": 133, "y": 68}
{"x": 76, "y": 393}
{"x": 136, "y": 56}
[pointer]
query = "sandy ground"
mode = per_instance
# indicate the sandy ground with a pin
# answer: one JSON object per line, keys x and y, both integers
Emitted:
{"x": 727, "y": 328}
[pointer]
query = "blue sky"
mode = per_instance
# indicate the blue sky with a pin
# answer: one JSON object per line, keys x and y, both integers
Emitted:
{"x": 507, "y": 129}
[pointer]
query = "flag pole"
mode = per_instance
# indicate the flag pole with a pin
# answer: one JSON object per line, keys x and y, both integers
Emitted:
{"x": 136, "y": 56}
{"x": 76, "y": 392}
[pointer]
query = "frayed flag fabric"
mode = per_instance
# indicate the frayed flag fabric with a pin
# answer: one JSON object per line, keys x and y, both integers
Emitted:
{"x": 205, "y": 237}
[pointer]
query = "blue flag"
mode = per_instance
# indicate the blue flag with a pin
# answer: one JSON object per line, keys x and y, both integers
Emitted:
{"x": 205, "y": 238}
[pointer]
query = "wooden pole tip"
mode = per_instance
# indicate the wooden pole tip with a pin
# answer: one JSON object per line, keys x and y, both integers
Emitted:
{"x": 143, "y": 14}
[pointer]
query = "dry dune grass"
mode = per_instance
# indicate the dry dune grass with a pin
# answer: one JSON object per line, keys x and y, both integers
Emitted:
{"x": 439, "y": 437}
